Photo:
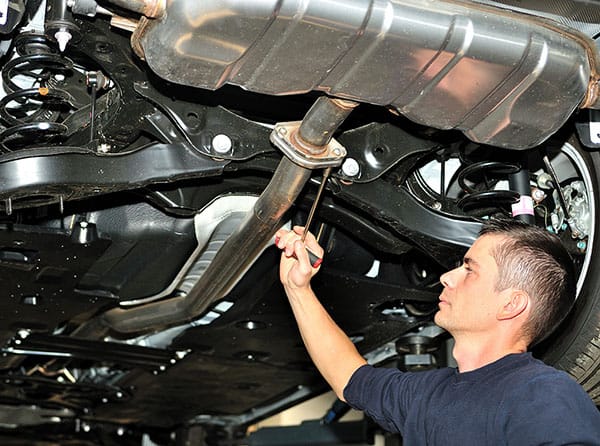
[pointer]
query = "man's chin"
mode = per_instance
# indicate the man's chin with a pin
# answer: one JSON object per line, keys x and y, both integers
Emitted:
{"x": 443, "y": 320}
{"x": 438, "y": 319}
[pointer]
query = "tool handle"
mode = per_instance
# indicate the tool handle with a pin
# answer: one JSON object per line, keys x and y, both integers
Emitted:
{"x": 315, "y": 260}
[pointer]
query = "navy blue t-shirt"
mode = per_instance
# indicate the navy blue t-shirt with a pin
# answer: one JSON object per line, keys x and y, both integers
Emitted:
{"x": 517, "y": 400}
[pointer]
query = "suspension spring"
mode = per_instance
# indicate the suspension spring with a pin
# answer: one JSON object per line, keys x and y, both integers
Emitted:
{"x": 485, "y": 195}
{"x": 33, "y": 111}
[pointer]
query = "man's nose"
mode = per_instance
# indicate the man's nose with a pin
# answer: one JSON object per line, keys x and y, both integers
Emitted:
{"x": 448, "y": 278}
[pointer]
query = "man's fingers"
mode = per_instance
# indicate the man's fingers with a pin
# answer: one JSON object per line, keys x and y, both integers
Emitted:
{"x": 280, "y": 237}
{"x": 285, "y": 241}
{"x": 302, "y": 255}
{"x": 311, "y": 250}
{"x": 310, "y": 241}
{"x": 283, "y": 238}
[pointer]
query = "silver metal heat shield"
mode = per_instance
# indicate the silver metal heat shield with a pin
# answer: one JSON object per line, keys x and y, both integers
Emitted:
{"x": 503, "y": 78}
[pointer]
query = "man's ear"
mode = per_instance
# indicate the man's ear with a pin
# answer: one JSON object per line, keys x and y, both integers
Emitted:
{"x": 516, "y": 302}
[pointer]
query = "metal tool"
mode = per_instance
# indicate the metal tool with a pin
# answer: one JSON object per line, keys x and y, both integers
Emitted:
{"x": 314, "y": 259}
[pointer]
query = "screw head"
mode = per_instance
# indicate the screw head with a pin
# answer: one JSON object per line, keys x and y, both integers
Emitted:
{"x": 103, "y": 148}
{"x": 350, "y": 167}
{"x": 222, "y": 143}
{"x": 538, "y": 195}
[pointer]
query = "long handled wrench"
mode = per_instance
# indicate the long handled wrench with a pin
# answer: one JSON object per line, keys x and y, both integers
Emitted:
{"x": 314, "y": 259}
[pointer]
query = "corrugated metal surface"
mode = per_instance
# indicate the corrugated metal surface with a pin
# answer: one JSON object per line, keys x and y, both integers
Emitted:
{"x": 502, "y": 78}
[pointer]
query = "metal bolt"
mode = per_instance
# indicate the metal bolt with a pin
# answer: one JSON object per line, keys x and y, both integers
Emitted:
{"x": 436, "y": 205}
{"x": 350, "y": 167}
{"x": 538, "y": 195}
{"x": 581, "y": 245}
{"x": 222, "y": 143}
{"x": 336, "y": 151}
{"x": 181, "y": 354}
{"x": 104, "y": 148}
{"x": 282, "y": 131}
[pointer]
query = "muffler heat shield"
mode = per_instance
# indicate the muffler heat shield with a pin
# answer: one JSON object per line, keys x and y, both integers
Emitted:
{"x": 503, "y": 78}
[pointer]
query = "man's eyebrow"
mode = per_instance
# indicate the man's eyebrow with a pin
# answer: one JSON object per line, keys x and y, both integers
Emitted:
{"x": 470, "y": 262}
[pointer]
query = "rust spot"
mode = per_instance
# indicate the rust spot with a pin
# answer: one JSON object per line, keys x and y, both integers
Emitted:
{"x": 138, "y": 35}
{"x": 154, "y": 8}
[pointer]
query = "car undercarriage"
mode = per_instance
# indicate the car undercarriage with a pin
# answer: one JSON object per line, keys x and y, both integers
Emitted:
{"x": 150, "y": 149}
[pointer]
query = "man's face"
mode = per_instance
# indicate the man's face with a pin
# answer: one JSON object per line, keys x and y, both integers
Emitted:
{"x": 469, "y": 302}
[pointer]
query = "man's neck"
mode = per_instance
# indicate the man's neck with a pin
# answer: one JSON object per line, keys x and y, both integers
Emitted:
{"x": 471, "y": 355}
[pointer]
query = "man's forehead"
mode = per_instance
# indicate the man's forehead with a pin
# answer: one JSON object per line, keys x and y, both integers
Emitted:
{"x": 482, "y": 250}
{"x": 491, "y": 240}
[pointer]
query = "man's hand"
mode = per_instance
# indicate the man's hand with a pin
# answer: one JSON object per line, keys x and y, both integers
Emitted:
{"x": 295, "y": 270}
{"x": 332, "y": 352}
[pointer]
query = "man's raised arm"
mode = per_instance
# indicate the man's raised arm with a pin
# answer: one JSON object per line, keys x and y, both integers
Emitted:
{"x": 332, "y": 352}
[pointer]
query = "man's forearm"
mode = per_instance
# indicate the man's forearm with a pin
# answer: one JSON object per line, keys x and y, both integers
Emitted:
{"x": 332, "y": 352}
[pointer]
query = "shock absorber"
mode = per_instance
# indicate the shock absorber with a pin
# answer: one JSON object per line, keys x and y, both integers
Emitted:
{"x": 60, "y": 24}
{"x": 33, "y": 110}
{"x": 523, "y": 209}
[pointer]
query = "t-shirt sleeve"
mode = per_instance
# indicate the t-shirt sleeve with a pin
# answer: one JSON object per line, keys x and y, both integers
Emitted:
{"x": 382, "y": 393}
{"x": 562, "y": 414}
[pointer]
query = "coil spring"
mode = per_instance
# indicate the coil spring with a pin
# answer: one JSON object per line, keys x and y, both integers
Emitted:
{"x": 36, "y": 110}
{"x": 475, "y": 198}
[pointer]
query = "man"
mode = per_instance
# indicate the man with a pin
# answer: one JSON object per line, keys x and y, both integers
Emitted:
{"x": 514, "y": 287}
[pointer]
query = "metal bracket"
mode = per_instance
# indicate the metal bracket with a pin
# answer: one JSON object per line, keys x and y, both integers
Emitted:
{"x": 133, "y": 356}
{"x": 285, "y": 137}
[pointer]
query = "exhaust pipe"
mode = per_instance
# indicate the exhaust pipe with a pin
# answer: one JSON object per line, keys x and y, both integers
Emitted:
{"x": 243, "y": 247}
{"x": 230, "y": 263}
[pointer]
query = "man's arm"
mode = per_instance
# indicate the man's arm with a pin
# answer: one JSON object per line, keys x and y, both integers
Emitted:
{"x": 332, "y": 352}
